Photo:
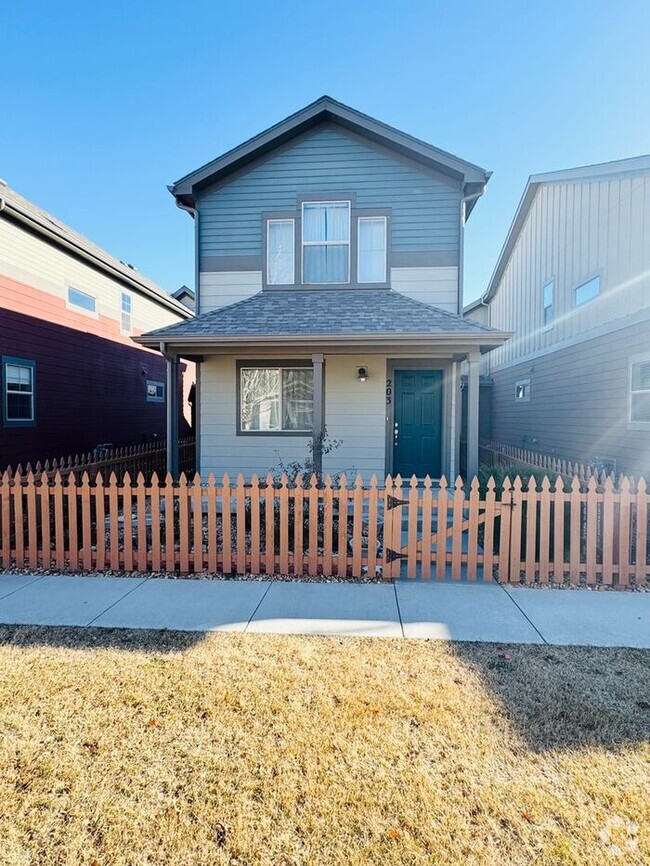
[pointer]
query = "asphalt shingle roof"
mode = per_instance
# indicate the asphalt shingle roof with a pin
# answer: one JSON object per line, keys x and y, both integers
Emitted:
{"x": 296, "y": 312}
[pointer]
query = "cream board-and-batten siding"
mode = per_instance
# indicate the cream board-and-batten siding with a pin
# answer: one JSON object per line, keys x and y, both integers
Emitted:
{"x": 437, "y": 286}
{"x": 355, "y": 414}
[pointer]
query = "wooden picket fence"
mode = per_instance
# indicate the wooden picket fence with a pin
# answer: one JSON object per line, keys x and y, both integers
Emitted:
{"x": 495, "y": 453}
{"x": 145, "y": 457}
{"x": 522, "y": 533}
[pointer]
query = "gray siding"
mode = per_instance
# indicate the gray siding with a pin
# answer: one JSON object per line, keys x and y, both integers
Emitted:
{"x": 573, "y": 231}
{"x": 579, "y": 402}
{"x": 424, "y": 205}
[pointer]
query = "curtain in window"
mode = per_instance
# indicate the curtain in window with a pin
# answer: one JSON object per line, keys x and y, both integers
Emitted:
{"x": 326, "y": 235}
{"x": 260, "y": 399}
{"x": 372, "y": 250}
{"x": 297, "y": 399}
{"x": 280, "y": 254}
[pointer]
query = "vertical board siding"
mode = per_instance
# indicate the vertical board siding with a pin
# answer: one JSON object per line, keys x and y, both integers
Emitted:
{"x": 345, "y": 530}
{"x": 424, "y": 204}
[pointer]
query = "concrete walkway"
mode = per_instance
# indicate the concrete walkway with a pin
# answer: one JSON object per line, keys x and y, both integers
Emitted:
{"x": 447, "y": 611}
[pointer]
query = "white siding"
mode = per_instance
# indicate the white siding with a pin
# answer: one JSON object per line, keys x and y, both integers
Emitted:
{"x": 28, "y": 259}
{"x": 575, "y": 231}
{"x": 437, "y": 286}
{"x": 221, "y": 288}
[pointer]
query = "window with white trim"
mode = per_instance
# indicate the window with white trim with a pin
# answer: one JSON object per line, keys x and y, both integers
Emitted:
{"x": 326, "y": 242}
{"x": 276, "y": 399}
{"x": 18, "y": 397}
{"x": 586, "y": 291}
{"x": 548, "y": 293}
{"x": 81, "y": 300}
{"x": 640, "y": 390}
{"x": 125, "y": 313}
{"x": 522, "y": 391}
{"x": 280, "y": 253}
{"x": 371, "y": 244}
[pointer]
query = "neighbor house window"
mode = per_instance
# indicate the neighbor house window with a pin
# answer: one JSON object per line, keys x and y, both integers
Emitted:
{"x": 155, "y": 392}
{"x": 372, "y": 249}
{"x": 640, "y": 390}
{"x": 81, "y": 300}
{"x": 548, "y": 293}
{"x": 276, "y": 399}
{"x": 18, "y": 396}
{"x": 587, "y": 291}
{"x": 522, "y": 391}
{"x": 280, "y": 258}
{"x": 125, "y": 313}
{"x": 326, "y": 242}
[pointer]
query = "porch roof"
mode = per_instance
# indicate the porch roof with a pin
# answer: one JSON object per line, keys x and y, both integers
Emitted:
{"x": 324, "y": 315}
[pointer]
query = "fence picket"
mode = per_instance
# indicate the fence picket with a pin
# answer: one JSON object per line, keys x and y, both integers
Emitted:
{"x": 213, "y": 560}
{"x": 457, "y": 529}
{"x": 46, "y": 543}
{"x": 531, "y": 497}
{"x": 372, "y": 535}
{"x": 86, "y": 525}
{"x": 226, "y": 523}
{"x": 472, "y": 538}
{"x": 515, "y": 531}
{"x": 575, "y": 540}
{"x": 442, "y": 505}
{"x": 59, "y": 538}
{"x": 298, "y": 495}
{"x": 32, "y": 522}
{"x": 283, "y": 497}
{"x": 488, "y": 531}
{"x": 328, "y": 525}
{"x": 269, "y": 529}
{"x": 127, "y": 521}
{"x": 412, "y": 529}
{"x": 624, "y": 533}
{"x": 240, "y": 507}
{"x": 544, "y": 530}
{"x": 427, "y": 514}
{"x": 19, "y": 521}
{"x": 314, "y": 499}
{"x": 641, "y": 541}
{"x": 113, "y": 518}
{"x": 357, "y": 527}
{"x": 255, "y": 524}
{"x": 342, "y": 539}
{"x": 197, "y": 525}
{"x": 170, "y": 543}
{"x": 592, "y": 528}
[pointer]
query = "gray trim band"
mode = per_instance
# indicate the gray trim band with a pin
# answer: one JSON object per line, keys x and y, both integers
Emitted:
{"x": 216, "y": 264}
{"x": 425, "y": 259}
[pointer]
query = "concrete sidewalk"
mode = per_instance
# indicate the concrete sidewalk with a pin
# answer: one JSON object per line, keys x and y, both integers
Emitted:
{"x": 447, "y": 611}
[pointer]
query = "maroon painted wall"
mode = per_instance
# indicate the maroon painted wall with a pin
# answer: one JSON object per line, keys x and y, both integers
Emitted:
{"x": 89, "y": 390}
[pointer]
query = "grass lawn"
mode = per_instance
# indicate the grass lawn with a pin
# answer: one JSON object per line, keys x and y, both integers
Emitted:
{"x": 149, "y": 748}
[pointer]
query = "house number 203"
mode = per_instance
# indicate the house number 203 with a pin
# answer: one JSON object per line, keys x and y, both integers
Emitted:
{"x": 389, "y": 391}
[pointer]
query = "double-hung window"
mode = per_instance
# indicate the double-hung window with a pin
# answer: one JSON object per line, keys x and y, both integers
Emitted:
{"x": 548, "y": 302}
{"x": 276, "y": 399}
{"x": 371, "y": 242}
{"x": 326, "y": 242}
{"x": 640, "y": 390}
{"x": 280, "y": 257}
{"x": 18, "y": 396}
{"x": 125, "y": 313}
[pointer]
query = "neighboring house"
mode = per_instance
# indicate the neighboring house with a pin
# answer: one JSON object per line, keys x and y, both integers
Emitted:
{"x": 71, "y": 375}
{"x": 330, "y": 252}
{"x": 573, "y": 283}
{"x": 186, "y": 296}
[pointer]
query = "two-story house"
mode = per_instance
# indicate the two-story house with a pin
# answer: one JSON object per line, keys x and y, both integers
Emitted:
{"x": 70, "y": 374}
{"x": 329, "y": 281}
{"x": 573, "y": 283}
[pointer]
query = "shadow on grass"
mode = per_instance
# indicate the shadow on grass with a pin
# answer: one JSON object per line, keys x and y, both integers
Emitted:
{"x": 81, "y": 638}
{"x": 566, "y": 697}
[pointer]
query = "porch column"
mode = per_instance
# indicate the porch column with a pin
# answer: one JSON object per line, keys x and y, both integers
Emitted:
{"x": 319, "y": 419}
{"x": 172, "y": 413}
{"x": 473, "y": 383}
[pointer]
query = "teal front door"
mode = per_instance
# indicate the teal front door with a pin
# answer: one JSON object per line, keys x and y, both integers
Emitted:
{"x": 417, "y": 423}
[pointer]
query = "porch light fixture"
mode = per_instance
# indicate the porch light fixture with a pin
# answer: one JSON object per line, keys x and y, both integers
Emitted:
{"x": 362, "y": 373}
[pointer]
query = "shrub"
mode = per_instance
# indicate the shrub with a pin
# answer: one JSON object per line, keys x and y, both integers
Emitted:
{"x": 500, "y": 473}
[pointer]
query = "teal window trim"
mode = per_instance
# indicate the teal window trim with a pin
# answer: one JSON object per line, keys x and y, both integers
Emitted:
{"x": 159, "y": 396}
{"x": 8, "y": 360}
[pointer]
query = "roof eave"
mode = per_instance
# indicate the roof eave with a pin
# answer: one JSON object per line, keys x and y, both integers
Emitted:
{"x": 321, "y": 110}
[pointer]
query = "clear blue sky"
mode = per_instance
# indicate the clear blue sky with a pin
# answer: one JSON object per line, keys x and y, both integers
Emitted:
{"x": 104, "y": 104}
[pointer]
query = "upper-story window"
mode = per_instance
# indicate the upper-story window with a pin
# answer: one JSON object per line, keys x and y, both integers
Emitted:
{"x": 640, "y": 389}
{"x": 372, "y": 249}
{"x": 548, "y": 293}
{"x": 587, "y": 291}
{"x": 280, "y": 257}
{"x": 81, "y": 300}
{"x": 326, "y": 242}
{"x": 125, "y": 313}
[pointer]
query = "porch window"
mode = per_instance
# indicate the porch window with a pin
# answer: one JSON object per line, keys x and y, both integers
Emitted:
{"x": 326, "y": 242}
{"x": 280, "y": 266}
{"x": 18, "y": 397}
{"x": 276, "y": 399}
{"x": 372, "y": 249}
{"x": 640, "y": 390}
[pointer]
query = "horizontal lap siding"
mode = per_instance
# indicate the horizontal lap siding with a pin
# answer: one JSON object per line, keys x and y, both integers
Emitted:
{"x": 579, "y": 401}
{"x": 437, "y": 286}
{"x": 424, "y": 205}
{"x": 219, "y": 289}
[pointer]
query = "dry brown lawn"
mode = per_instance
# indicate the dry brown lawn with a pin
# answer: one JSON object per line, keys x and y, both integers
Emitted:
{"x": 149, "y": 748}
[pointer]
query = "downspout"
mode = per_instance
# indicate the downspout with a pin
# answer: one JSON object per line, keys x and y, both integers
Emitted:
{"x": 194, "y": 213}
{"x": 461, "y": 245}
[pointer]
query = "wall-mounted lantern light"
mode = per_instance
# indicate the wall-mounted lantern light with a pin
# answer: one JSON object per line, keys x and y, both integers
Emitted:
{"x": 362, "y": 373}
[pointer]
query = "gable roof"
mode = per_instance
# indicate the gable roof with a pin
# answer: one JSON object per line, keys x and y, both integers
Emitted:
{"x": 324, "y": 110}
{"x": 322, "y": 313}
{"x": 19, "y": 209}
{"x": 585, "y": 173}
